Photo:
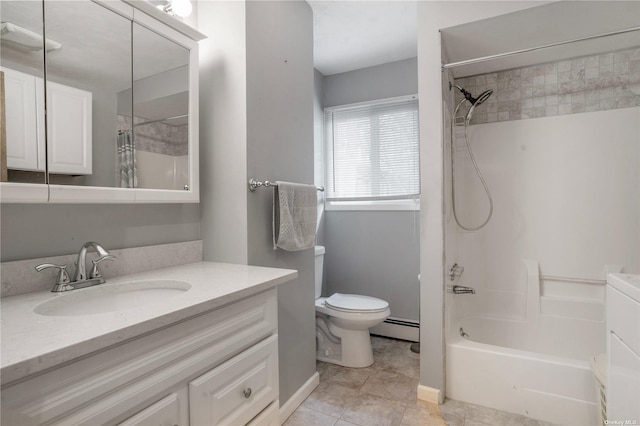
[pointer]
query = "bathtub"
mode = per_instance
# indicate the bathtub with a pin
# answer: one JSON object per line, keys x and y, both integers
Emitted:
{"x": 537, "y": 366}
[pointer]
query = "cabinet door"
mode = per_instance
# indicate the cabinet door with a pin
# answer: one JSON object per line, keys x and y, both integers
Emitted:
{"x": 165, "y": 412}
{"x": 24, "y": 121}
{"x": 238, "y": 390}
{"x": 623, "y": 390}
{"x": 69, "y": 129}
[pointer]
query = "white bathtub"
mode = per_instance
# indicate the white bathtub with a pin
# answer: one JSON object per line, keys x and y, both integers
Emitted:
{"x": 504, "y": 364}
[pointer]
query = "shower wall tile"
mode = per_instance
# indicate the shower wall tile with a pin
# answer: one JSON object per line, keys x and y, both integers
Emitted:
{"x": 587, "y": 84}
{"x": 158, "y": 137}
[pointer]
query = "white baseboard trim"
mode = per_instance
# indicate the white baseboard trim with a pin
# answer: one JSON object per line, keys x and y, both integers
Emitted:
{"x": 425, "y": 393}
{"x": 298, "y": 398}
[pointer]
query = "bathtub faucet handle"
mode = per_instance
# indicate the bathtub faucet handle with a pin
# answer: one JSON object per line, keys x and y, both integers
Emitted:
{"x": 458, "y": 289}
{"x": 455, "y": 271}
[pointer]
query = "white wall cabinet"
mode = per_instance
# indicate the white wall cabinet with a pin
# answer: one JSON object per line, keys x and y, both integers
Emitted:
{"x": 147, "y": 43}
{"x": 69, "y": 125}
{"x": 219, "y": 368}
{"x": 24, "y": 98}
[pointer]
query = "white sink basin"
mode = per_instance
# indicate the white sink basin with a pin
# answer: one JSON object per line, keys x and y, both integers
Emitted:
{"x": 104, "y": 298}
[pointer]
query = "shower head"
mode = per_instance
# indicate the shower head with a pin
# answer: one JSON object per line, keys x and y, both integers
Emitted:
{"x": 473, "y": 101}
{"x": 482, "y": 97}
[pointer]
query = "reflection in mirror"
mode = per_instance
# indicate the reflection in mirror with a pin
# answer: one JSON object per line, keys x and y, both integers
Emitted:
{"x": 84, "y": 79}
{"x": 160, "y": 112}
{"x": 22, "y": 101}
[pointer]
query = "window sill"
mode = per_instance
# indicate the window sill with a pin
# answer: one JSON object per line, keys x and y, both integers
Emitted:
{"x": 381, "y": 205}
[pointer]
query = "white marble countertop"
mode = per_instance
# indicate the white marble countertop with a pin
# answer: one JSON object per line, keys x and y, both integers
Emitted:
{"x": 31, "y": 343}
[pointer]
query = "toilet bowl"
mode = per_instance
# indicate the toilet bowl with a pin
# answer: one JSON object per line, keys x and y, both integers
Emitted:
{"x": 343, "y": 322}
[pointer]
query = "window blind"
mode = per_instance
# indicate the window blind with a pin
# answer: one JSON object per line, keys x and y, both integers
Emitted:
{"x": 373, "y": 151}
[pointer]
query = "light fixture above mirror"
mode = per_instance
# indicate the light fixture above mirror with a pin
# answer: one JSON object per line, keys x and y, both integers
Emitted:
{"x": 181, "y": 8}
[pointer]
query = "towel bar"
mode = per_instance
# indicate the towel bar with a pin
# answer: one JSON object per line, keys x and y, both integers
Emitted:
{"x": 255, "y": 184}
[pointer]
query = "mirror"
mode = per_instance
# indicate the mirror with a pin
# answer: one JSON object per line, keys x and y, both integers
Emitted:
{"x": 84, "y": 79}
{"x": 116, "y": 95}
{"x": 160, "y": 111}
{"x": 22, "y": 101}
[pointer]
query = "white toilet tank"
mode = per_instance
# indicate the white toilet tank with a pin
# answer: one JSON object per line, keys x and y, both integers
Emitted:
{"x": 319, "y": 251}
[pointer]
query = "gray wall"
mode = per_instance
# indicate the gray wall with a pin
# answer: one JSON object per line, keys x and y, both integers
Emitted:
{"x": 223, "y": 130}
{"x": 382, "y": 81}
{"x": 280, "y": 147}
{"x": 256, "y": 97}
{"x": 374, "y": 253}
{"x": 41, "y": 230}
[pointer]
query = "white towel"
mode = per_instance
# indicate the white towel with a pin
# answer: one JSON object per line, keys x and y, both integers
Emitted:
{"x": 295, "y": 210}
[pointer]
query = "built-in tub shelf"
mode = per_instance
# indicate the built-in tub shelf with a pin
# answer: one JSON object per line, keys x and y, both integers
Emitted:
{"x": 563, "y": 296}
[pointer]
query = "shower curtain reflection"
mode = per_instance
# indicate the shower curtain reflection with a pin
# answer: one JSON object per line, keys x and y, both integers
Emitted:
{"x": 127, "y": 160}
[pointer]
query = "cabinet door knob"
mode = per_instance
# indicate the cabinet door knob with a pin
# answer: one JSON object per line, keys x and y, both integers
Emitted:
{"x": 247, "y": 392}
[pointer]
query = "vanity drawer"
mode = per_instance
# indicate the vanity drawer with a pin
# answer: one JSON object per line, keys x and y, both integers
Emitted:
{"x": 115, "y": 384}
{"x": 238, "y": 390}
{"x": 165, "y": 412}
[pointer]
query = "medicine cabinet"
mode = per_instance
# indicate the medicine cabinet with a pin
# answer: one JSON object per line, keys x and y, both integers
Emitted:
{"x": 101, "y": 109}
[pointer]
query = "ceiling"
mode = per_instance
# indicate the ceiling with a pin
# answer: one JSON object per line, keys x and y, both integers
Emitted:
{"x": 350, "y": 35}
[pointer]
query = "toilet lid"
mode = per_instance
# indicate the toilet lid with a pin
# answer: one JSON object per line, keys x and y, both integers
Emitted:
{"x": 356, "y": 303}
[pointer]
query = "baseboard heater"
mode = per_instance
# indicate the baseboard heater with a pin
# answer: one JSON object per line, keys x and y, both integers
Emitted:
{"x": 398, "y": 328}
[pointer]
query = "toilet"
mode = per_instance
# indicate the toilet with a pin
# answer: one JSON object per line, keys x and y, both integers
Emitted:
{"x": 343, "y": 322}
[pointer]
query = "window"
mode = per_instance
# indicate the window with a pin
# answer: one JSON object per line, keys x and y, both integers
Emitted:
{"x": 372, "y": 151}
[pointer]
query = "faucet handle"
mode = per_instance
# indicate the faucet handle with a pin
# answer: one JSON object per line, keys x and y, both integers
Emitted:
{"x": 63, "y": 278}
{"x": 95, "y": 272}
{"x": 455, "y": 271}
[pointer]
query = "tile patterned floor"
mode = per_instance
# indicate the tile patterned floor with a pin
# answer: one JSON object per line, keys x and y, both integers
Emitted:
{"x": 385, "y": 395}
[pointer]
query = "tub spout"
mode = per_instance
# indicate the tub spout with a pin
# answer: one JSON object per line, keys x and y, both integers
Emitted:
{"x": 458, "y": 289}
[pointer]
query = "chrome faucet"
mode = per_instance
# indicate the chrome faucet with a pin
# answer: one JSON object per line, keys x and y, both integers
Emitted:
{"x": 80, "y": 278}
{"x": 81, "y": 267}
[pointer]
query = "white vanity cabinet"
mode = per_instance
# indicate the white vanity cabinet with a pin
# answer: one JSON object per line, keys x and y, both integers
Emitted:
{"x": 165, "y": 412}
{"x": 218, "y": 368}
{"x": 69, "y": 125}
{"x": 623, "y": 347}
{"x": 238, "y": 390}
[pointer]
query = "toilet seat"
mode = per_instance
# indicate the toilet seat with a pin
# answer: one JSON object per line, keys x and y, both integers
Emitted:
{"x": 356, "y": 303}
